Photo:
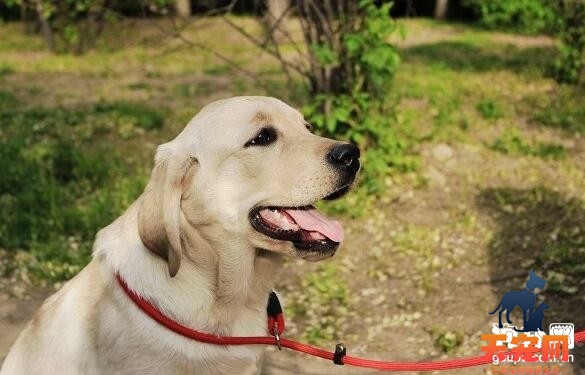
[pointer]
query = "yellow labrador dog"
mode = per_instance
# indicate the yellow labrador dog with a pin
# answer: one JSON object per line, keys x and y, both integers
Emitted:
{"x": 227, "y": 198}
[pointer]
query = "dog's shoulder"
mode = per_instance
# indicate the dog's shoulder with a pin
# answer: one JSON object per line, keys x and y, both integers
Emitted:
{"x": 61, "y": 328}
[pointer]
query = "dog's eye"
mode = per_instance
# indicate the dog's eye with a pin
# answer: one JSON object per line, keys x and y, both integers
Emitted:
{"x": 309, "y": 127}
{"x": 265, "y": 137}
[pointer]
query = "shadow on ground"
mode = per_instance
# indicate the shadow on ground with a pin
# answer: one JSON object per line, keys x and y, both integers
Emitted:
{"x": 540, "y": 229}
{"x": 465, "y": 56}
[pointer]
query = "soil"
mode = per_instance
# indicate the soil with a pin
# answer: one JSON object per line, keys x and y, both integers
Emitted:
{"x": 17, "y": 306}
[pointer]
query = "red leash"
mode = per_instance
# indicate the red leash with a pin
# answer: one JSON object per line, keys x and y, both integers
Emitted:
{"x": 338, "y": 357}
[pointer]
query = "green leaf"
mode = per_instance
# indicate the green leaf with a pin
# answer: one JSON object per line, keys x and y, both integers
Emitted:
{"x": 353, "y": 43}
{"x": 324, "y": 54}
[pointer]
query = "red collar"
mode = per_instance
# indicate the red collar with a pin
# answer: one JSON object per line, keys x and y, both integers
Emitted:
{"x": 273, "y": 309}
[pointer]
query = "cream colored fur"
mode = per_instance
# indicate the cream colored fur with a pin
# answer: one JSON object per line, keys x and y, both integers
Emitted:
{"x": 186, "y": 245}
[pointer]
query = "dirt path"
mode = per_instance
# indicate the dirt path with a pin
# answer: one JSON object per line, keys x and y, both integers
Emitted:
{"x": 15, "y": 311}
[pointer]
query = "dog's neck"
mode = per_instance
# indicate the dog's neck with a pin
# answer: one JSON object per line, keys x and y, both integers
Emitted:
{"x": 216, "y": 284}
{"x": 242, "y": 273}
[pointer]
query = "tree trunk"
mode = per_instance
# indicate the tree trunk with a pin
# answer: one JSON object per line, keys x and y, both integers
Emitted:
{"x": 46, "y": 29}
{"x": 183, "y": 8}
{"x": 30, "y": 21}
{"x": 276, "y": 17}
{"x": 441, "y": 7}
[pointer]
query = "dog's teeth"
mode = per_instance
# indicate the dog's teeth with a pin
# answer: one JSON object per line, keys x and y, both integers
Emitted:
{"x": 279, "y": 220}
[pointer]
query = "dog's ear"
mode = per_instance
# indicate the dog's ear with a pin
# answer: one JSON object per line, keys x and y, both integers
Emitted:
{"x": 159, "y": 214}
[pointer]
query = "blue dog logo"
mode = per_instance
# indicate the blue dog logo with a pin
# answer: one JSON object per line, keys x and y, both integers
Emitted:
{"x": 526, "y": 299}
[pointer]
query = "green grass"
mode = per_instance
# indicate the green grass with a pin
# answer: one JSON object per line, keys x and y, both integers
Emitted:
{"x": 63, "y": 179}
{"x": 136, "y": 114}
{"x": 7, "y": 99}
{"x": 440, "y": 95}
{"x": 490, "y": 109}
{"x": 564, "y": 111}
{"x": 477, "y": 55}
{"x": 445, "y": 340}
{"x": 6, "y": 69}
{"x": 323, "y": 301}
{"x": 512, "y": 142}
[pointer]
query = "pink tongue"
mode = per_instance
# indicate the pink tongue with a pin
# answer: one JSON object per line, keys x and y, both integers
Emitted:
{"x": 311, "y": 220}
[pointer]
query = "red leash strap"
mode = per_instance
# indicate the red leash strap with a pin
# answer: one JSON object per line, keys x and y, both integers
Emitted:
{"x": 338, "y": 356}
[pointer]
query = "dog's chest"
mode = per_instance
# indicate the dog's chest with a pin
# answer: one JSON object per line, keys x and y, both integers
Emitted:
{"x": 129, "y": 342}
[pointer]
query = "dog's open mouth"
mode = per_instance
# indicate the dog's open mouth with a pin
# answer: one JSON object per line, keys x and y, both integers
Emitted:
{"x": 309, "y": 230}
{"x": 305, "y": 227}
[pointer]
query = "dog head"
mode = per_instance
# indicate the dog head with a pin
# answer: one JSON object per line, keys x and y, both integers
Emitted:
{"x": 246, "y": 170}
{"x": 535, "y": 281}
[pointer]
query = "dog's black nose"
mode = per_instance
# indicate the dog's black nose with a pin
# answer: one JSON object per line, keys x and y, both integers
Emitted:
{"x": 344, "y": 156}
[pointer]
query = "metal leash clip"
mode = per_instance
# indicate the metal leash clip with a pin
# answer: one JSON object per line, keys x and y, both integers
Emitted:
{"x": 276, "y": 336}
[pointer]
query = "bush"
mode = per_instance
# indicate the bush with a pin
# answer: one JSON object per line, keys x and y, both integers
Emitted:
{"x": 66, "y": 25}
{"x": 350, "y": 102}
{"x": 562, "y": 18}
{"x": 526, "y": 16}
{"x": 570, "y": 65}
